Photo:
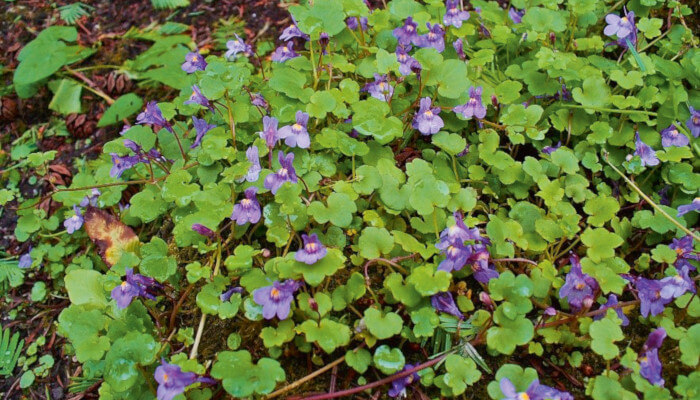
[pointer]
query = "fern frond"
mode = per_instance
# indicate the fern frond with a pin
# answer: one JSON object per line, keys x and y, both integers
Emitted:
{"x": 10, "y": 349}
{"x": 160, "y": 4}
{"x": 73, "y": 12}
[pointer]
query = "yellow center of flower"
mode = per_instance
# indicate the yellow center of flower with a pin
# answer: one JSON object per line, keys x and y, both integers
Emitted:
{"x": 292, "y": 26}
{"x": 283, "y": 171}
{"x": 696, "y": 120}
{"x": 580, "y": 286}
{"x": 483, "y": 256}
{"x": 285, "y": 50}
{"x": 409, "y": 379}
{"x": 123, "y": 284}
{"x": 274, "y": 293}
{"x": 311, "y": 247}
{"x": 429, "y": 113}
{"x": 657, "y": 294}
{"x": 246, "y": 202}
{"x": 624, "y": 19}
{"x": 297, "y": 127}
{"x": 453, "y": 10}
{"x": 678, "y": 278}
{"x": 117, "y": 161}
{"x": 382, "y": 85}
{"x": 165, "y": 377}
{"x": 451, "y": 250}
{"x": 409, "y": 28}
{"x": 523, "y": 396}
{"x": 644, "y": 359}
{"x": 679, "y": 251}
{"x": 402, "y": 57}
{"x": 194, "y": 59}
{"x": 472, "y": 101}
{"x": 431, "y": 35}
{"x": 674, "y": 132}
{"x": 696, "y": 199}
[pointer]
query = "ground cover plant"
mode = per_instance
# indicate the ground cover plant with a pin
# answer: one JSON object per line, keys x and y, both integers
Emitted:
{"x": 388, "y": 199}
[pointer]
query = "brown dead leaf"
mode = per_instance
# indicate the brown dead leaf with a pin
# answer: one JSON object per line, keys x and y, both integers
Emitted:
{"x": 111, "y": 236}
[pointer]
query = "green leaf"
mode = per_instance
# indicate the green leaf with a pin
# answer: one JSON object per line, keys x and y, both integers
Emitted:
{"x": 594, "y": 93}
{"x": 374, "y": 242}
{"x": 66, "y": 98}
{"x": 242, "y": 378}
{"x": 338, "y": 211}
{"x": 428, "y": 280}
{"x": 605, "y": 333}
{"x": 124, "y": 107}
{"x": 358, "y": 359}
{"x": 278, "y": 336}
{"x": 461, "y": 372}
{"x": 601, "y": 209}
{"x": 382, "y": 326}
{"x": 601, "y": 243}
{"x": 84, "y": 287}
{"x": 328, "y": 334}
{"x": 388, "y": 360}
{"x": 690, "y": 346}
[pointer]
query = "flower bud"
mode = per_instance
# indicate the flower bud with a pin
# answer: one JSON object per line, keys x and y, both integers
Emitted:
{"x": 486, "y": 299}
{"x": 265, "y": 253}
{"x": 313, "y": 304}
{"x": 494, "y": 100}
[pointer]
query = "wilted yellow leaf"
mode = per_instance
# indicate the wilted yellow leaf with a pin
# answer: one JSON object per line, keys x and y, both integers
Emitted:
{"x": 111, "y": 236}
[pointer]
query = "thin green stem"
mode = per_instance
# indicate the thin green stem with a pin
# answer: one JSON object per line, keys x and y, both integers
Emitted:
{"x": 650, "y": 201}
{"x": 612, "y": 110}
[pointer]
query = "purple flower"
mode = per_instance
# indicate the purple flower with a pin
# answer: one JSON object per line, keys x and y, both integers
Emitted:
{"x": 135, "y": 285}
{"x": 693, "y": 123}
{"x": 248, "y": 210}
{"x": 254, "y": 171}
{"x": 122, "y": 163}
{"x": 454, "y": 14}
{"x": 426, "y": 119}
{"x": 459, "y": 48}
{"x": 284, "y": 53}
{"x": 677, "y": 285}
{"x": 353, "y": 23}
{"x": 579, "y": 288}
{"x": 194, "y": 62}
{"x": 516, "y": 15}
{"x": 153, "y": 116}
{"x": 534, "y": 392}
{"x": 671, "y": 137}
{"x": 75, "y": 222}
{"x": 459, "y": 231}
{"x": 226, "y": 296}
{"x": 379, "y": 89}
{"x": 201, "y": 127}
{"x": 276, "y": 299}
{"x": 456, "y": 255}
{"x": 237, "y": 46}
{"x": 258, "y": 100}
{"x": 172, "y": 381}
{"x": 398, "y": 386}
{"x": 323, "y": 41}
{"x": 435, "y": 38}
{"x": 650, "y": 367}
{"x": 655, "y": 339}
{"x": 269, "y": 132}
{"x": 124, "y": 129}
{"x": 620, "y": 26}
{"x": 204, "y": 231}
{"x": 474, "y": 106}
{"x": 286, "y": 173}
{"x": 685, "y": 209}
{"x": 551, "y": 149}
{"x": 652, "y": 297}
{"x": 612, "y": 301}
{"x": 297, "y": 135}
{"x": 444, "y": 302}
{"x": 646, "y": 153}
{"x": 406, "y": 63}
{"x": 293, "y": 31}
{"x": 198, "y": 98}
{"x": 479, "y": 260}
{"x": 684, "y": 252}
{"x": 312, "y": 251}
{"x": 406, "y": 34}
{"x": 25, "y": 260}
{"x": 131, "y": 145}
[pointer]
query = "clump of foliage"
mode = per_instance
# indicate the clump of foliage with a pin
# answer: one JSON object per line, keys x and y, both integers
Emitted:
{"x": 489, "y": 185}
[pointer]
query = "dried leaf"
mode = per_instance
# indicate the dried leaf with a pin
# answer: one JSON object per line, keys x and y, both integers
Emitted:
{"x": 111, "y": 236}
